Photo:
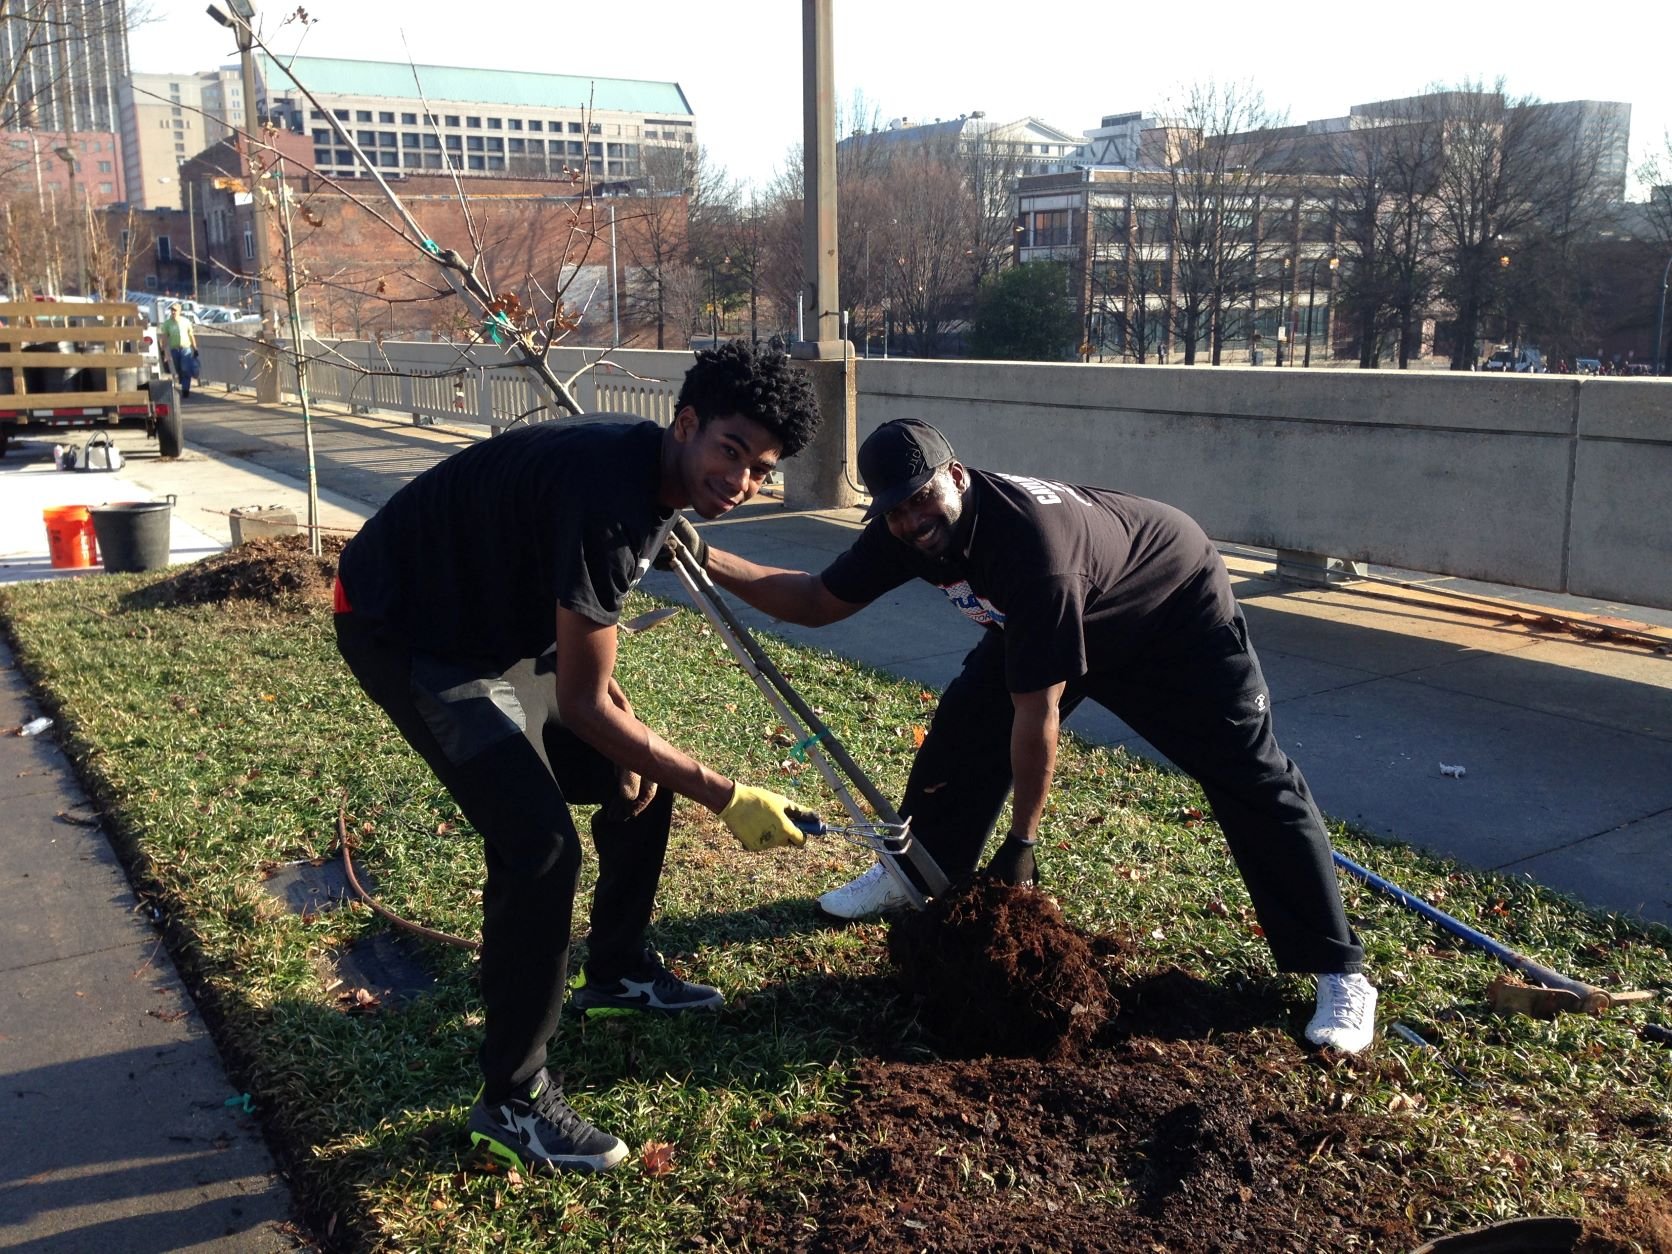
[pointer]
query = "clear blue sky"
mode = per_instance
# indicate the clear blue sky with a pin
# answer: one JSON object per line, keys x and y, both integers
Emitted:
{"x": 739, "y": 61}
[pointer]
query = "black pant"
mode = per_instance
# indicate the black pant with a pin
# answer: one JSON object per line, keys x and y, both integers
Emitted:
{"x": 491, "y": 735}
{"x": 1201, "y": 701}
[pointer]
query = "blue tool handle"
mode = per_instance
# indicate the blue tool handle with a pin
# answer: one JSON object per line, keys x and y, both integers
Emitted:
{"x": 810, "y": 823}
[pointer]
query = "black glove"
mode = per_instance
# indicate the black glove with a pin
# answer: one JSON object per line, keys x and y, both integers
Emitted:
{"x": 1013, "y": 862}
{"x": 686, "y": 534}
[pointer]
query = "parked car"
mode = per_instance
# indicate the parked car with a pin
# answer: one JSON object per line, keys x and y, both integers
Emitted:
{"x": 1517, "y": 361}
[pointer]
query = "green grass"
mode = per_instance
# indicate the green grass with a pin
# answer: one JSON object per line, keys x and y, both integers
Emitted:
{"x": 221, "y": 738}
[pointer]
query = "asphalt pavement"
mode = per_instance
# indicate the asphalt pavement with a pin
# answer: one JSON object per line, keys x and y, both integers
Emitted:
{"x": 1563, "y": 735}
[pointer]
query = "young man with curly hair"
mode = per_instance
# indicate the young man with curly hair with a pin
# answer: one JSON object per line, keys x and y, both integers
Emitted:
{"x": 478, "y": 607}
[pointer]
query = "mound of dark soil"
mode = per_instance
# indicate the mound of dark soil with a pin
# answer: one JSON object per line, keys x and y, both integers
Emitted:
{"x": 999, "y": 971}
{"x": 272, "y": 571}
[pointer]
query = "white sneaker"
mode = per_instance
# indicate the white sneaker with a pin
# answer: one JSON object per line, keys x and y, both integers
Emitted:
{"x": 871, "y": 893}
{"x": 1346, "y": 1018}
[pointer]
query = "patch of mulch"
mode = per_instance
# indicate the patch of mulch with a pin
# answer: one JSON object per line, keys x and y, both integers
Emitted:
{"x": 998, "y": 970}
{"x": 1167, "y": 1127}
{"x": 273, "y": 571}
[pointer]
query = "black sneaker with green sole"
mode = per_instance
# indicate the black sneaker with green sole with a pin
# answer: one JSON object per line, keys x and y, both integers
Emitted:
{"x": 651, "y": 988}
{"x": 538, "y": 1131}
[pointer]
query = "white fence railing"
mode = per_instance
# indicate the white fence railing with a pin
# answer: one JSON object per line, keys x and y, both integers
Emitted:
{"x": 477, "y": 384}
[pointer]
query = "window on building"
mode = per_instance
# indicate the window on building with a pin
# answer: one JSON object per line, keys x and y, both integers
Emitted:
{"x": 179, "y": 150}
{"x": 386, "y": 138}
{"x": 496, "y": 124}
{"x": 1153, "y": 223}
{"x": 574, "y": 128}
{"x": 322, "y": 156}
{"x": 474, "y": 124}
{"x": 473, "y": 142}
{"x": 366, "y": 139}
{"x": 454, "y": 142}
{"x": 175, "y": 111}
{"x": 345, "y": 156}
{"x": 411, "y": 139}
{"x": 174, "y": 86}
{"x": 594, "y": 128}
{"x": 613, "y": 150}
{"x": 1315, "y": 224}
{"x": 342, "y": 114}
{"x": 249, "y": 244}
{"x": 432, "y": 161}
{"x": 104, "y": 189}
{"x": 150, "y": 282}
{"x": 535, "y": 145}
{"x": 496, "y": 144}
{"x": 513, "y": 124}
{"x": 1111, "y": 222}
{"x": 430, "y": 119}
{"x": 362, "y": 115}
{"x": 595, "y": 150}
{"x": 596, "y": 167}
{"x": 535, "y": 124}
{"x": 386, "y": 117}
{"x": 104, "y": 167}
{"x": 165, "y": 249}
{"x": 412, "y": 160}
{"x": 476, "y": 163}
{"x": 316, "y": 115}
{"x": 409, "y": 119}
{"x": 432, "y": 141}
{"x": 1052, "y": 228}
{"x": 577, "y": 148}
{"x": 514, "y": 145}
{"x": 388, "y": 158}
{"x": 496, "y": 163}
{"x": 321, "y": 135}
{"x": 452, "y": 119}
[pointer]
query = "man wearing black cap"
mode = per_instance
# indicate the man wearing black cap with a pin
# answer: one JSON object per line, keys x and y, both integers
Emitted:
{"x": 1084, "y": 593}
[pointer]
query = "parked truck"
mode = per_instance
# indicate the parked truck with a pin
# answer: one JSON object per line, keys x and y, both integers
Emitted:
{"x": 68, "y": 363}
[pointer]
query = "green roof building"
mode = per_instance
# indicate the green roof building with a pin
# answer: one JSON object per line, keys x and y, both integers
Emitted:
{"x": 411, "y": 119}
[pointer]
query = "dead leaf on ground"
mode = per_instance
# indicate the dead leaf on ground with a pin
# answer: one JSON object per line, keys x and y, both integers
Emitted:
{"x": 657, "y": 1157}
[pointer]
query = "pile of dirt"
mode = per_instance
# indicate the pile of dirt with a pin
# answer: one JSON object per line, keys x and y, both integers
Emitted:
{"x": 999, "y": 971}
{"x": 272, "y": 571}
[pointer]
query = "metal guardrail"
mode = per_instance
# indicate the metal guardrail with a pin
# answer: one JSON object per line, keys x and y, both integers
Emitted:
{"x": 469, "y": 384}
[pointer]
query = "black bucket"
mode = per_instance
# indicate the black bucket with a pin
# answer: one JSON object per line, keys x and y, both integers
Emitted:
{"x": 133, "y": 535}
{"x": 1553, "y": 1235}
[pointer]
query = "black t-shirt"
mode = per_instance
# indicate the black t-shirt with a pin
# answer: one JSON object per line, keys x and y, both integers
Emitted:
{"x": 1080, "y": 580}
{"x": 475, "y": 555}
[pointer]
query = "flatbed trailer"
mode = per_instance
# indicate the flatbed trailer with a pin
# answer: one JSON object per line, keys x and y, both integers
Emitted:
{"x": 80, "y": 364}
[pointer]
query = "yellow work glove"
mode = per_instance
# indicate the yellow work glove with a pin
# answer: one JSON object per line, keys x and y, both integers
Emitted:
{"x": 763, "y": 820}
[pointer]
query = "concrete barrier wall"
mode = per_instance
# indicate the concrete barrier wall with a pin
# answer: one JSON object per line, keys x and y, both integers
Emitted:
{"x": 1552, "y": 482}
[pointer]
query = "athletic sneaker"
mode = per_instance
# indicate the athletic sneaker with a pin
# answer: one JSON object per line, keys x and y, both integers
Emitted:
{"x": 536, "y": 1130}
{"x": 1346, "y": 1017}
{"x": 651, "y": 987}
{"x": 871, "y": 893}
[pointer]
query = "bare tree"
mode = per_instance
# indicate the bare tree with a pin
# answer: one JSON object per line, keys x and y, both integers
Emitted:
{"x": 1513, "y": 180}
{"x": 661, "y": 242}
{"x": 1221, "y": 159}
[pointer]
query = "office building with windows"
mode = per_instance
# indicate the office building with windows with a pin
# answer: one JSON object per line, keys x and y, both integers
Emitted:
{"x": 166, "y": 120}
{"x": 63, "y": 69}
{"x": 411, "y": 119}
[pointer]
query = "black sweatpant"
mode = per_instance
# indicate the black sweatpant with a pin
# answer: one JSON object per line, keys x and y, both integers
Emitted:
{"x": 492, "y": 736}
{"x": 1202, "y": 702}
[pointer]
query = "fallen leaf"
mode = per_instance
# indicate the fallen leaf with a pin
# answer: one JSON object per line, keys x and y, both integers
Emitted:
{"x": 918, "y": 735}
{"x": 657, "y": 1157}
{"x": 168, "y": 1016}
{"x": 268, "y": 696}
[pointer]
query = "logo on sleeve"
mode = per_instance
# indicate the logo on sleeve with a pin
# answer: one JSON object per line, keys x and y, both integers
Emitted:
{"x": 977, "y": 609}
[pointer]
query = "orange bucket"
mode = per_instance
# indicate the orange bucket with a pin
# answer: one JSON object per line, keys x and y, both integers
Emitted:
{"x": 69, "y": 536}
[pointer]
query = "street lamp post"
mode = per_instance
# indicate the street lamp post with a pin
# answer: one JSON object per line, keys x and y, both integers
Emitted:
{"x": 1660, "y": 322}
{"x": 1282, "y": 311}
{"x": 1311, "y": 298}
{"x": 69, "y": 158}
{"x": 241, "y": 24}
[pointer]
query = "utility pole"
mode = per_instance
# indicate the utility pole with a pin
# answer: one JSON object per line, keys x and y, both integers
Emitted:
{"x": 1660, "y": 321}
{"x": 824, "y": 471}
{"x": 267, "y": 378}
{"x": 191, "y": 235}
{"x": 615, "y": 291}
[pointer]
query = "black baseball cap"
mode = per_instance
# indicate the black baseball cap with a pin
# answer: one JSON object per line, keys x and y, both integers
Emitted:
{"x": 897, "y": 459}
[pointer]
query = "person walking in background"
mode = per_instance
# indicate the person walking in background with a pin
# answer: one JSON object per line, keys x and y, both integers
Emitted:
{"x": 1083, "y": 593}
{"x": 478, "y": 608}
{"x": 180, "y": 334}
